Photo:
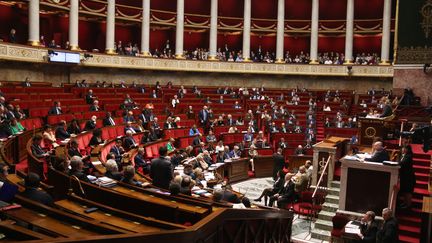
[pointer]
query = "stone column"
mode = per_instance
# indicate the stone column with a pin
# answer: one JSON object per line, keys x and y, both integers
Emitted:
{"x": 246, "y": 30}
{"x": 73, "y": 24}
{"x": 145, "y": 29}
{"x": 314, "y": 33}
{"x": 349, "y": 36}
{"x": 386, "y": 27}
{"x": 213, "y": 30}
{"x": 179, "y": 29}
{"x": 34, "y": 23}
{"x": 110, "y": 28}
{"x": 280, "y": 32}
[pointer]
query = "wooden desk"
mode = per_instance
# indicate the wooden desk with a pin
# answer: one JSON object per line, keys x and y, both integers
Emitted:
{"x": 237, "y": 169}
{"x": 263, "y": 166}
{"x": 295, "y": 161}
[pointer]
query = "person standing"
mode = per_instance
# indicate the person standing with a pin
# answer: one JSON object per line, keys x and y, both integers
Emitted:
{"x": 278, "y": 162}
{"x": 389, "y": 231}
{"x": 160, "y": 170}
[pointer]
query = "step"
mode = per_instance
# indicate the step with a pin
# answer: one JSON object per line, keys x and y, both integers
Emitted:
{"x": 320, "y": 235}
{"x": 332, "y": 199}
{"x": 326, "y": 215}
{"x": 408, "y": 231}
{"x": 408, "y": 239}
{"x": 422, "y": 168}
{"x": 331, "y": 207}
{"x": 333, "y": 191}
{"x": 408, "y": 220}
{"x": 421, "y": 184}
{"x": 335, "y": 184}
{"x": 421, "y": 176}
{"x": 323, "y": 225}
{"x": 420, "y": 192}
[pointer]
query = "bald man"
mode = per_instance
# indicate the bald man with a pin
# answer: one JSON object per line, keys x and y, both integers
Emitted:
{"x": 380, "y": 153}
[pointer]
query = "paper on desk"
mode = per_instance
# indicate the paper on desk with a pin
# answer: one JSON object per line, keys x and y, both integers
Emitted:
{"x": 351, "y": 225}
{"x": 352, "y": 231}
{"x": 348, "y": 157}
{"x": 364, "y": 156}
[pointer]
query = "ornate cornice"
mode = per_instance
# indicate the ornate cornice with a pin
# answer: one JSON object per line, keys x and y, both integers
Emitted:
{"x": 414, "y": 55}
{"x": 38, "y": 55}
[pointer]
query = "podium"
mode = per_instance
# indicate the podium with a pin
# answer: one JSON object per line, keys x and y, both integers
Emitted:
{"x": 367, "y": 186}
{"x": 334, "y": 147}
{"x": 374, "y": 127}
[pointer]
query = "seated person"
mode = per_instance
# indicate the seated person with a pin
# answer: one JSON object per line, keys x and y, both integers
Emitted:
{"x": 15, "y": 126}
{"x": 129, "y": 141}
{"x": 108, "y": 120}
{"x": 96, "y": 139}
{"x": 140, "y": 161}
{"x": 56, "y": 109}
{"x": 61, "y": 132}
{"x": 380, "y": 155}
{"x": 117, "y": 150}
{"x": 186, "y": 185}
{"x": 77, "y": 167}
{"x": 248, "y": 137}
{"x": 197, "y": 140}
{"x": 74, "y": 127}
{"x": 128, "y": 176}
{"x": 299, "y": 150}
{"x": 73, "y": 149}
{"x": 286, "y": 194}
{"x": 277, "y": 186}
{"x": 48, "y": 135}
{"x": 36, "y": 148}
{"x": 32, "y": 182}
{"x": 95, "y": 106}
{"x": 112, "y": 170}
{"x": 90, "y": 124}
{"x": 129, "y": 117}
{"x": 368, "y": 228}
{"x": 174, "y": 188}
{"x": 194, "y": 131}
{"x": 170, "y": 145}
{"x": 235, "y": 153}
{"x": 301, "y": 181}
{"x": 252, "y": 154}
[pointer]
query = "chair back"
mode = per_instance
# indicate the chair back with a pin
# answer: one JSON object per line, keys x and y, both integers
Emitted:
{"x": 339, "y": 221}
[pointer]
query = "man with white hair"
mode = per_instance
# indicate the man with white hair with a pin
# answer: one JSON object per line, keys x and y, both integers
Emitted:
{"x": 380, "y": 153}
{"x": 235, "y": 153}
{"x": 175, "y": 101}
{"x": 90, "y": 124}
{"x": 285, "y": 194}
{"x": 95, "y": 106}
{"x": 112, "y": 170}
{"x": 389, "y": 231}
{"x": 129, "y": 141}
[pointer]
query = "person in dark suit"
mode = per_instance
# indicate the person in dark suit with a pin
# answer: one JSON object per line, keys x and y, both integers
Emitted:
{"x": 203, "y": 116}
{"x": 73, "y": 149}
{"x": 387, "y": 110}
{"x": 56, "y": 109}
{"x": 108, "y": 120}
{"x": 161, "y": 171}
{"x": 90, "y": 97}
{"x": 95, "y": 106}
{"x": 128, "y": 176}
{"x": 31, "y": 192}
{"x": 36, "y": 148}
{"x": 90, "y": 124}
{"x": 389, "y": 231}
{"x": 407, "y": 177}
{"x": 117, "y": 150}
{"x": 197, "y": 140}
{"x": 129, "y": 141}
{"x": 112, "y": 170}
{"x": 96, "y": 139}
{"x": 61, "y": 132}
{"x": 368, "y": 228}
{"x": 140, "y": 161}
{"x": 277, "y": 186}
{"x": 74, "y": 127}
{"x": 185, "y": 186}
{"x": 278, "y": 162}
{"x": 380, "y": 153}
{"x": 286, "y": 194}
{"x": 77, "y": 167}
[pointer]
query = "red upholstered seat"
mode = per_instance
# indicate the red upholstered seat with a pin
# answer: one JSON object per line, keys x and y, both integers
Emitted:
{"x": 119, "y": 131}
{"x": 149, "y": 152}
{"x": 112, "y": 132}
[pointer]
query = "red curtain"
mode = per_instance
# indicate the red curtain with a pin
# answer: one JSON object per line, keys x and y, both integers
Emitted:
{"x": 234, "y": 41}
{"x": 331, "y": 44}
{"x": 158, "y": 39}
{"x": 367, "y": 44}
{"x": 193, "y": 40}
{"x": 264, "y": 9}
{"x": 13, "y": 18}
{"x": 296, "y": 44}
{"x": 197, "y": 7}
{"x": 268, "y": 43}
{"x": 231, "y": 8}
{"x": 298, "y": 9}
{"x": 332, "y": 9}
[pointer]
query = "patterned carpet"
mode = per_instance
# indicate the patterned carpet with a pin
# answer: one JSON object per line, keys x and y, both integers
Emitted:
{"x": 253, "y": 188}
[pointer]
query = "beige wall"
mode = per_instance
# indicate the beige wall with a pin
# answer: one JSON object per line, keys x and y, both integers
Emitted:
{"x": 414, "y": 77}
{"x": 61, "y": 73}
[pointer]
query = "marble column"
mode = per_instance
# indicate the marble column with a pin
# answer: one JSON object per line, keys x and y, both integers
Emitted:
{"x": 349, "y": 35}
{"x": 386, "y": 28}
{"x": 73, "y": 24}
{"x": 34, "y": 23}
{"x": 314, "y": 33}
{"x": 246, "y": 30}
{"x": 213, "y": 30}
{"x": 145, "y": 29}
{"x": 280, "y": 32}
{"x": 179, "y": 29}
{"x": 110, "y": 28}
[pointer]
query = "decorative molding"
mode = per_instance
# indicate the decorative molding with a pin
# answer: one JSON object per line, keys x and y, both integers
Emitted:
{"x": 38, "y": 55}
{"x": 414, "y": 55}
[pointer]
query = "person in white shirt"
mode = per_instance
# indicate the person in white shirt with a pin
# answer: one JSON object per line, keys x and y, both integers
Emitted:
{"x": 175, "y": 101}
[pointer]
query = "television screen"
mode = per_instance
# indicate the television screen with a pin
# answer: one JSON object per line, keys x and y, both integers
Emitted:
{"x": 65, "y": 57}
{"x": 58, "y": 57}
{"x": 73, "y": 58}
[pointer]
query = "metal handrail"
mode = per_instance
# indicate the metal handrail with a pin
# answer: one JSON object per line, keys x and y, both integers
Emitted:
{"x": 321, "y": 177}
